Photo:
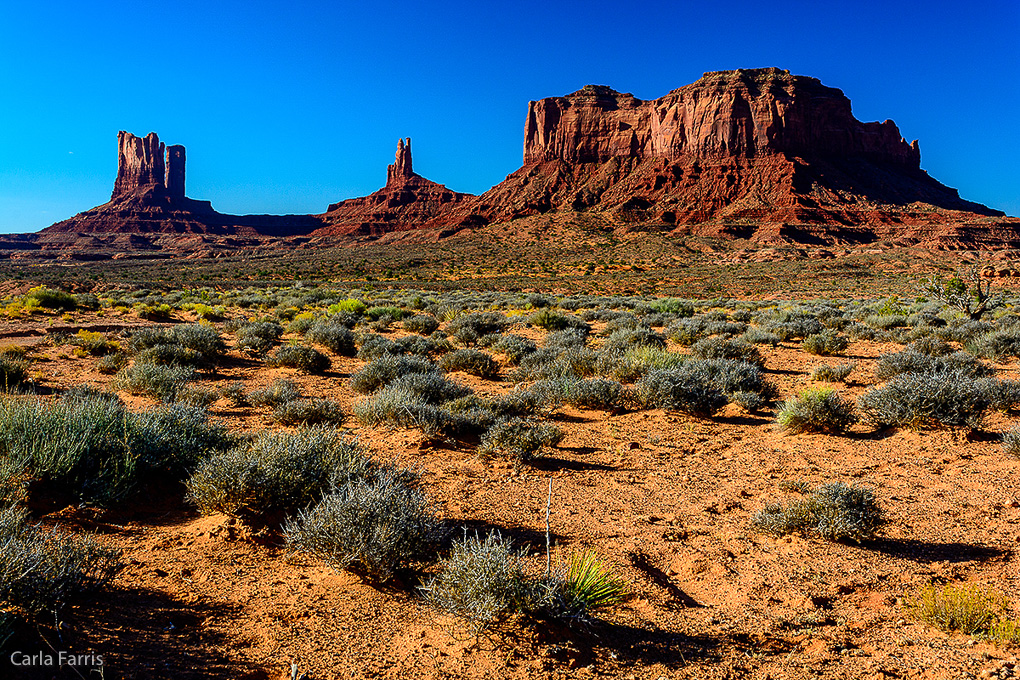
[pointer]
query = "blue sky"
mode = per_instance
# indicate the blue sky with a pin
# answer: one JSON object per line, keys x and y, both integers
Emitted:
{"x": 286, "y": 107}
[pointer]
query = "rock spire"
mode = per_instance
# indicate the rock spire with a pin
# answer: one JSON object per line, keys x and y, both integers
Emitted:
{"x": 401, "y": 170}
{"x": 146, "y": 165}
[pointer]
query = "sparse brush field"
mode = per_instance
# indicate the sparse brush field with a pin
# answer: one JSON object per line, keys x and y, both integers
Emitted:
{"x": 333, "y": 483}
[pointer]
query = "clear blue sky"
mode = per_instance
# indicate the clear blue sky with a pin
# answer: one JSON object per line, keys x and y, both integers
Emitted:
{"x": 285, "y": 107}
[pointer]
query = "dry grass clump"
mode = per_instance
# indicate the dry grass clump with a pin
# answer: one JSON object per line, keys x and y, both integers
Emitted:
{"x": 819, "y": 409}
{"x": 1011, "y": 442}
{"x": 968, "y": 609}
{"x": 835, "y": 511}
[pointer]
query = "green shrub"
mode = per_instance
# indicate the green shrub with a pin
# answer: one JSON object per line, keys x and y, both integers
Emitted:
{"x": 554, "y": 321}
{"x": 49, "y": 298}
{"x": 235, "y": 394}
{"x": 830, "y": 373}
{"x": 637, "y": 361}
{"x": 423, "y": 324}
{"x": 201, "y": 337}
{"x": 702, "y": 386}
{"x": 416, "y": 344}
{"x": 825, "y": 343}
{"x": 518, "y": 439}
{"x": 384, "y": 370}
{"x": 757, "y": 336}
{"x": 338, "y": 338}
{"x": 926, "y": 400}
{"x": 41, "y": 570}
{"x": 468, "y": 328}
{"x": 302, "y": 357}
{"x": 169, "y": 355}
{"x": 721, "y": 348}
{"x": 162, "y": 382}
{"x": 402, "y": 406}
{"x": 594, "y": 393}
{"x": 278, "y": 392}
{"x": 93, "y": 343}
{"x": 1003, "y": 395}
{"x": 277, "y": 473}
{"x": 673, "y": 306}
{"x": 258, "y": 337}
{"x": 350, "y": 306}
{"x": 112, "y": 363}
{"x": 911, "y": 361}
{"x": 816, "y": 410}
{"x": 480, "y": 413}
{"x": 13, "y": 372}
{"x": 309, "y": 412}
{"x": 376, "y": 313}
{"x": 624, "y": 339}
{"x": 473, "y": 361}
{"x": 834, "y": 511}
{"x": 514, "y": 348}
{"x": 375, "y": 346}
{"x": 97, "y": 451}
{"x": 998, "y": 345}
{"x": 199, "y": 341}
{"x": 584, "y": 585}
{"x": 578, "y": 362}
{"x": 570, "y": 338}
{"x": 680, "y": 390}
{"x": 482, "y": 582}
{"x": 374, "y": 528}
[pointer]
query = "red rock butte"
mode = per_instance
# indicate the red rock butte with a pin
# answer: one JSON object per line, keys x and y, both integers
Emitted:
{"x": 406, "y": 202}
{"x": 756, "y": 154}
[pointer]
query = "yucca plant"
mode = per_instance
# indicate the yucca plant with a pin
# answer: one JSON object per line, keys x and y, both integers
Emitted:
{"x": 589, "y": 584}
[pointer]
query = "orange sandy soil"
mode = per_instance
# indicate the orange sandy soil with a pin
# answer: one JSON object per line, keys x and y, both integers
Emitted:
{"x": 664, "y": 498}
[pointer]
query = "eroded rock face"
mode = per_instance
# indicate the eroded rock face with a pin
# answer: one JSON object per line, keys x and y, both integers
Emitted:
{"x": 140, "y": 164}
{"x": 726, "y": 114}
{"x": 175, "y": 171}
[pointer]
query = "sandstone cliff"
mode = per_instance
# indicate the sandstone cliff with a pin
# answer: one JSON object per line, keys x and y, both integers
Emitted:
{"x": 758, "y": 147}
